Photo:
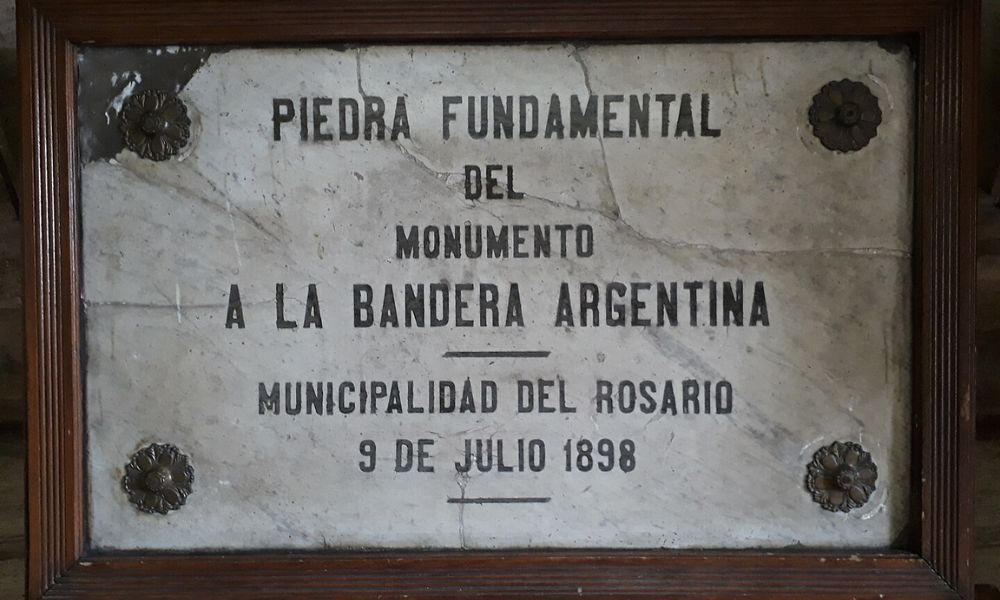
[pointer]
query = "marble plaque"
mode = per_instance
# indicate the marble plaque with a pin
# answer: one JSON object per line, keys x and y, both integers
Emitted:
{"x": 507, "y": 296}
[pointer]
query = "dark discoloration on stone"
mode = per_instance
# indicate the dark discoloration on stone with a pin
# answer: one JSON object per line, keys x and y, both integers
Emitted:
{"x": 896, "y": 45}
{"x": 104, "y": 74}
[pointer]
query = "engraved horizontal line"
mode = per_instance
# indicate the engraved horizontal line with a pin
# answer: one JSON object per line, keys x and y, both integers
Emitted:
{"x": 495, "y": 500}
{"x": 497, "y": 354}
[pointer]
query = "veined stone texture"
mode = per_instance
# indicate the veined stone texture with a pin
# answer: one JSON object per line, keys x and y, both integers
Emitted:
{"x": 828, "y": 235}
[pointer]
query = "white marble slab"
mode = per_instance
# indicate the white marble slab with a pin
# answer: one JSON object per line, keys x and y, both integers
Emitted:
{"x": 827, "y": 234}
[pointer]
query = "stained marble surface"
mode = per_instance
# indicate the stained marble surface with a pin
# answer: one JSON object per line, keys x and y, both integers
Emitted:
{"x": 827, "y": 234}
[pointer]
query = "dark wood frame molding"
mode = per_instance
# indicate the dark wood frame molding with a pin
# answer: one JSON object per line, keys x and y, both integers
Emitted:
{"x": 945, "y": 34}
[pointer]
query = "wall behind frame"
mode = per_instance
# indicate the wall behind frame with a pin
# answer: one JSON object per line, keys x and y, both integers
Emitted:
{"x": 11, "y": 329}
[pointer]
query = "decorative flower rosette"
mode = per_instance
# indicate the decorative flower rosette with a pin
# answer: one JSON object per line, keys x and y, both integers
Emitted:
{"x": 158, "y": 479}
{"x": 841, "y": 477}
{"x": 155, "y": 124}
{"x": 845, "y": 115}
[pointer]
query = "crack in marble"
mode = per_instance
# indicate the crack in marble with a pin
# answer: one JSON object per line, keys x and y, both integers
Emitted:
{"x": 147, "y": 177}
{"x": 615, "y": 208}
{"x": 763, "y": 76}
{"x": 357, "y": 62}
{"x": 442, "y": 176}
{"x": 614, "y": 213}
{"x": 732, "y": 72}
{"x": 663, "y": 245}
{"x": 462, "y": 479}
{"x": 419, "y": 161}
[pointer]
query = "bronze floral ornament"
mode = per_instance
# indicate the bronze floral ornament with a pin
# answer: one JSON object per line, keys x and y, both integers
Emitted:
{"x": 158, "y": 479}
{"x": 155, "y": 124}
{"x": 845, "y": 115}
{"x": 841, "y": 477}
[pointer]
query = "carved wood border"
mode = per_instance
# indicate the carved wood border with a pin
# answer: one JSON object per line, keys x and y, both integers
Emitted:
{"x": 946, "y": 34}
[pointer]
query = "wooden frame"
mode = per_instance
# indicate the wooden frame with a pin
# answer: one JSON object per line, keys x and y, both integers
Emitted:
{"x": 945, "y": 34}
